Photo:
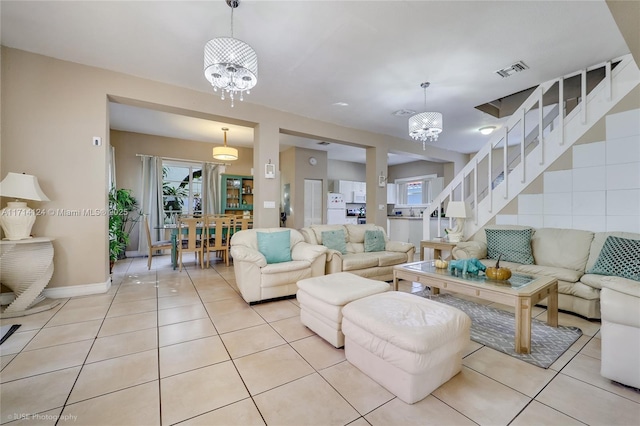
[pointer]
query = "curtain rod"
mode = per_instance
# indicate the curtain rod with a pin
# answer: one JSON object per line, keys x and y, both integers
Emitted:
{"x": 182, "y": 159}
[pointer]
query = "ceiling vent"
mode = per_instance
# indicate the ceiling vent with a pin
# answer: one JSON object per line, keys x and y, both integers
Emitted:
{"x": 403, "y": 112}
{"x": 324, "y": 143}
{"x": 512, "y": 69}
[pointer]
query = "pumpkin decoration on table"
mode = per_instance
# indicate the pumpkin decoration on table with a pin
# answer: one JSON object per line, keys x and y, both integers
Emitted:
{"x": 497, "y": 273}
{"x": 441, "y": 264}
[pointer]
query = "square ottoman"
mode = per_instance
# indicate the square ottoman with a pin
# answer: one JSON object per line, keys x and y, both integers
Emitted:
{"x": 408, "y": 344}
{"x": 322, "y": 299}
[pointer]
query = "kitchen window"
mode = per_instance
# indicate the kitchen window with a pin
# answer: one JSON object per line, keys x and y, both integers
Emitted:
{"x": 417, "y": 191}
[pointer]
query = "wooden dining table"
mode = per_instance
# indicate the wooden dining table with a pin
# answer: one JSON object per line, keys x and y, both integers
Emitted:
{"x": 174, "y": 238}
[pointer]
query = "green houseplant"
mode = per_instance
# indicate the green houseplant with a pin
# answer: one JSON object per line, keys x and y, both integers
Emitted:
{"x": 123, "y": 215}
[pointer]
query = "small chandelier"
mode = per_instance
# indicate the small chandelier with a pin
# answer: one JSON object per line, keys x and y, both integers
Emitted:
{"x": 230, "y": 65}
{"x": 425, "y": 126}
{"x": 225, "y": 153}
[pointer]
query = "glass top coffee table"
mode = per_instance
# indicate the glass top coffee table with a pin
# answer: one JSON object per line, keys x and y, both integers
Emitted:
{"x": 521, "y": 291}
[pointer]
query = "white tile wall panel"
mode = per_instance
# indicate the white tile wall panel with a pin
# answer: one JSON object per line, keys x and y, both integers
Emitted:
{"x": 623, "y": 150}
{"x": 590, "y": 223}
{"x": 558, "y": 204}
{"x": 558, "y": 181}
{"x": 589, "y": 203}
{"x": 623, "y": 176}
{"x": 623, "y": 223}
{"x": 530, "y": 203}
{"x": 625, "y": 202}
{"x": 589, "y": 155}
{"x": 532, "y": 220}
{"x": 623, "y": 124}
{"x": 507, "y": 219}
{"x": 552, "y": 221}
{"x": 589, "y": 178}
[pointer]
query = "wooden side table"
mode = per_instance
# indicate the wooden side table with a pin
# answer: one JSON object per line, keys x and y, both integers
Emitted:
{"x": 26, "y": 266}
{"x": 437, "y": 247}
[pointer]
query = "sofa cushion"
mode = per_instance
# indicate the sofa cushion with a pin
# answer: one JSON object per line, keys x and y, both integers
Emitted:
{"x": 357, "y": 261}
{"x": 275, "y": 246}
{"x": 619, "y": 257}
{"x": 373, "y": 240}
{"x": 562, "y": 248}
{"x": 578, "y": 290}
{"x": 391, "y": 258}
{"x": 513, "y": 245}
{"x": 335, "y": 240}
{"x": 551, "y": 271}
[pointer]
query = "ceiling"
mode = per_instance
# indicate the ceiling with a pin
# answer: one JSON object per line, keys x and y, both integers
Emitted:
{"x": 372, "y": 55}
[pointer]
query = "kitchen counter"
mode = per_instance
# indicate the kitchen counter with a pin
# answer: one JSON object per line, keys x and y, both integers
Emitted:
{"x": 415, "y": 217}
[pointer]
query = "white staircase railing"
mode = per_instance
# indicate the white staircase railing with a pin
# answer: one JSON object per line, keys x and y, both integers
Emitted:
{"x": 513, "y": 149}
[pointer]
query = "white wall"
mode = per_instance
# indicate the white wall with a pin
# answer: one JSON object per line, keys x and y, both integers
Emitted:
{"x": 600, "y": 192}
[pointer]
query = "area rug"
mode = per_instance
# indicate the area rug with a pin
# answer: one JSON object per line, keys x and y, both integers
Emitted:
{"x": 495, "y": 328}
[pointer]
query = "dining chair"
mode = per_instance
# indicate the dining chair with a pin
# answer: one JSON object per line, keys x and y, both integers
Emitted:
{"x": 154, "y": 246}
{"x": 189, "y": 240}
{"x": 218, "y": 230}
{"x": 242, "y": 222}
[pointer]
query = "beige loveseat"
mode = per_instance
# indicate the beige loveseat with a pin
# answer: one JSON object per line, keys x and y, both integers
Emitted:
{"x": 565, "y": 254}
{"x": 377, "y": 265}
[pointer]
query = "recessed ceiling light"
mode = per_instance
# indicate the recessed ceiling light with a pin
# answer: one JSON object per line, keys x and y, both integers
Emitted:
{"x": 343, "y": 104}
{"x": 487, "y": 130}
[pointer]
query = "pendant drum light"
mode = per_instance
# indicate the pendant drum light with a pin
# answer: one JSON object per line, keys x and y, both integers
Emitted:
{"x": 225, "y": 153}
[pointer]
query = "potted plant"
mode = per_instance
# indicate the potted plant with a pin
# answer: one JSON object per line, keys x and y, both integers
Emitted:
{"x": 123, "y": 215}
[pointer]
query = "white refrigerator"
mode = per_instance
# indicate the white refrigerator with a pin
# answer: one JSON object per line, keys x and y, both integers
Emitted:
{"x": 336, "y": 209}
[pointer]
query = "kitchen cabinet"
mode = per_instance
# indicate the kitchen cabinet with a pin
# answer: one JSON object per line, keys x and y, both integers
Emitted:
{"x": 348, "y": 187}
{"x": 391, "y": 193}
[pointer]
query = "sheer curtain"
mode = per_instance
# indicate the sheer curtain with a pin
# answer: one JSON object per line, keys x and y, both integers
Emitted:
{"x": 151, "y": 200}
{"x": 211, "y": 187}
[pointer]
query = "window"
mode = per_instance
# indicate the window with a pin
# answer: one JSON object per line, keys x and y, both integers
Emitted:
{"x": 181, "y": 189}
{"x": 417, "y": 191}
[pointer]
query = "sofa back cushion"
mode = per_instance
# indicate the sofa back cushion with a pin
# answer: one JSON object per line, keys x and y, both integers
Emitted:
{"x": 598, "y": 242}
{"x": 562, "y": 248}
{"x": 249, "y": 237}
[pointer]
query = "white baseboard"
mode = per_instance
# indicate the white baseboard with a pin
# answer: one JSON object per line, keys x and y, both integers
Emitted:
{"x": 65, "y": 292}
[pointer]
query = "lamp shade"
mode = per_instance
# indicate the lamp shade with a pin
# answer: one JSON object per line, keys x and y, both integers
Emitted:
{"x": 225, "y": 153}
{"x": 457, "y": 209}
{"x": 26, "y": 187}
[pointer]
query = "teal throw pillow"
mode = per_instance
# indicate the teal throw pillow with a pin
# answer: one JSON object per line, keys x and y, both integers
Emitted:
{"x": 335, "y": 240}
{"x": 275, "y": 246}
{"x": 374, "y": 240}
{"x": 513, "y": 244}
{"x": 619, "y": 257}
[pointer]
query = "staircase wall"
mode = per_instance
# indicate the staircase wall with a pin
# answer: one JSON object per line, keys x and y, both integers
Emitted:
{"x": 595, "y": 185}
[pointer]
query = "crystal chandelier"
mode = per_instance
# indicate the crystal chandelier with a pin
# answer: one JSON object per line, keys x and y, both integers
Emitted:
{"x": 225, "y": 153}
{"x": 425, "y": 126}
{"x": 230, "y": 65}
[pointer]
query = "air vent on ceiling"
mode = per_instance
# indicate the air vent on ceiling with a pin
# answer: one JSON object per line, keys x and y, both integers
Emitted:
{"x": 512, "y": 69}
{"x": 403, "y": 112}
{"x": 323, "y": 143}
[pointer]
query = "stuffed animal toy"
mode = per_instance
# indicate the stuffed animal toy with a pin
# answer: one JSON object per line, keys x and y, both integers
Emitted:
{"x": 471, "y": 266}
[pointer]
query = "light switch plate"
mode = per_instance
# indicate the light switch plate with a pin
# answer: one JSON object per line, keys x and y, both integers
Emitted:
{"x": 269, "y": 204}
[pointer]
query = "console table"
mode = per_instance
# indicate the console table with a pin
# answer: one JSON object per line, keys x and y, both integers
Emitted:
{"x": 26, "y": 266}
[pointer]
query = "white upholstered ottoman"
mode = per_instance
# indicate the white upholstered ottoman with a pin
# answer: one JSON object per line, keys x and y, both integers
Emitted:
{"x": 408, "y": 344}
{"x": 322, "y": 299}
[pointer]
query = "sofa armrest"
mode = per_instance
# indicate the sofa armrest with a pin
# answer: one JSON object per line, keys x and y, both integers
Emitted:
{"x": 622, "y": 285}
{"x": 246, "y": 254}
{"x": 306, "y": 251}
{"x": 469, "y": 249}
{"x": 398, "y": 246}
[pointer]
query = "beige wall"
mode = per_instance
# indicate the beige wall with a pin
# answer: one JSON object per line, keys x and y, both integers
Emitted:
{"x": 51, "y": 109}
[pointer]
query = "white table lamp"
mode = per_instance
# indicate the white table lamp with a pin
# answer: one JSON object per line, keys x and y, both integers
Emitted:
{"x": 460, "y": 211}
{"x": 17, "y": 218}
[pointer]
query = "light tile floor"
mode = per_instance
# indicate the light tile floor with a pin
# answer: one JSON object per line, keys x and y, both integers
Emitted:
{"x": 165, "y": 347}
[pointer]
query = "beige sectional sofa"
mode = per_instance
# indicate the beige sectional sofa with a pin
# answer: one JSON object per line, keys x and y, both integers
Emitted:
{"x": 565, "y": 254}
{"x": 377, "y": 265}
